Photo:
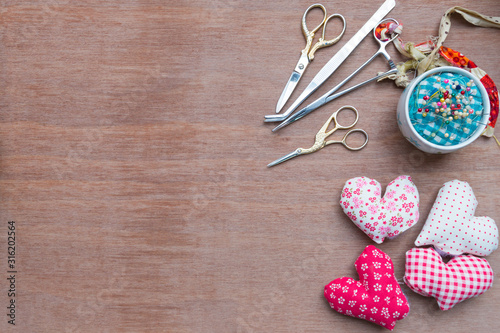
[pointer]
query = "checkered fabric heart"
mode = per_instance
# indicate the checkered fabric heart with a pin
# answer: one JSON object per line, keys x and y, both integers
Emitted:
{"x": 461, "y": 278}
{"x": 376, "y": 297}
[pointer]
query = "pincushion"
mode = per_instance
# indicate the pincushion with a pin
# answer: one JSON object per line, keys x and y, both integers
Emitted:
{"x": 446, "y": 108}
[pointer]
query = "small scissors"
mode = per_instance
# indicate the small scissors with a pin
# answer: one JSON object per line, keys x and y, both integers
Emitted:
{"x": 322, "y": 134}
{"x": 308, "y": 52}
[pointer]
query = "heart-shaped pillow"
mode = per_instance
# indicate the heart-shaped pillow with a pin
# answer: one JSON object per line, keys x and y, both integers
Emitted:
{"x": 461, "y": 278}
{"x": 376, "y": 297}
{"x": 381, "y": 217}
{"x": 452, "y": 227}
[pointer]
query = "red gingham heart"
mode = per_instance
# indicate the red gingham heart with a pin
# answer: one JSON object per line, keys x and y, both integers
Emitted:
{"x": 461, "y": 278}
{"x": 376, "y": 297}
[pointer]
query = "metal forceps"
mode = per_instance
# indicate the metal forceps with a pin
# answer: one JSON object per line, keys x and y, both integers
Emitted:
{"x": 379, "y": 32}
{"x": 308, "y": 52}
{"x": 322, "y": 134}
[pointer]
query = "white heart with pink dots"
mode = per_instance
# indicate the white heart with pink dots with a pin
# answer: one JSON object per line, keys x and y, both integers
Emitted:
{"x": 381, "y": 217}
{"x": 452, "y": 227}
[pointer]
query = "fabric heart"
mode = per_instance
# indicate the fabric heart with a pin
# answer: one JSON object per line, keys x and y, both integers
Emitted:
{"x": 381, "y": 217}
{"x": 452, "y": 227}
{"x": 461, "y": 278}
{"x": 376, "y": 297}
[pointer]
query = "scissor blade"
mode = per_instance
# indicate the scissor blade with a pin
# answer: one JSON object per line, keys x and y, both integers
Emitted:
{"x": 280, "y": 117}
{"x": 284, "y": 158}
{"x": 287, "y": 92}
{"x": 332, "y": 65}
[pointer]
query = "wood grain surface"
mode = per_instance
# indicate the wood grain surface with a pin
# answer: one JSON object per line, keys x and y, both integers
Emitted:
{"x": 133, "y": 159}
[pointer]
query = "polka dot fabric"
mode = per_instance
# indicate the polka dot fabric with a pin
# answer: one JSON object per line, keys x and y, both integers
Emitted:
{"x": 376, "y": 297}
{"x": 452, "y": 227}
{"x": 461, "y": 278}
{"x": 381, "y": 217}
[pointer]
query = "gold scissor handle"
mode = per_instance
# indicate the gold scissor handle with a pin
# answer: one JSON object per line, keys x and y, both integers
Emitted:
{"x": 323, "y": 133}
{"x": 337, "y": 125}
{"x": 344, "y": 140}
{"x": 324, "y": 43}
{"x": 320, "y": 140}
{"x": 310, "y": 34}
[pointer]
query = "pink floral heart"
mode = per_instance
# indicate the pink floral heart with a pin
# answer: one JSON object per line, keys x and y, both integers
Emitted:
{"x": 461, "y": 278}
{"x": 381, "y": 217}
{"x": 452, "y": 227}
{"x": 376, "y": 297}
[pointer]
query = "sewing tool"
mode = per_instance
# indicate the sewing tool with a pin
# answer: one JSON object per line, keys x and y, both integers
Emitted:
{"x": 336, "y": 60}
{"x": 324, "y": 133}
{"x": 308, "y": 52}
{"x": 446, "y": 108}
{"x": 443, "y": 110}
{"x": 385, "y": 32}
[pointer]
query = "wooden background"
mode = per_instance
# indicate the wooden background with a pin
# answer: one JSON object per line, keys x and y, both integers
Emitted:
{"x": 133, "y": 159}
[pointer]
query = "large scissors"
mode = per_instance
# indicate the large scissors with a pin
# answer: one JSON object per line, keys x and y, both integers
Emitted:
{"x": 308, "y": 52}
{"x": 384, "y": 33}
{"x": 324, "y": 133}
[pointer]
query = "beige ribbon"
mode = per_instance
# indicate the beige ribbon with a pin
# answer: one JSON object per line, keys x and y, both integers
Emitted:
{"x": 444, "y": 28}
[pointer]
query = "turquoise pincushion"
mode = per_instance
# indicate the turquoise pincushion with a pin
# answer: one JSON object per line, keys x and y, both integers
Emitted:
{"x": 446, "y": 108}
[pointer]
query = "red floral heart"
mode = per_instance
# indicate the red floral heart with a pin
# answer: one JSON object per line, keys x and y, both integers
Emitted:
{"x": 381, "y": 217}
{"x": 376, "y": 297}
{"x": 461, "y": 278}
